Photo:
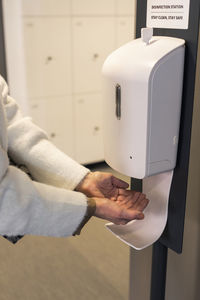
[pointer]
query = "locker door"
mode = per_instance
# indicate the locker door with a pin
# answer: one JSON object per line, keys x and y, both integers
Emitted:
{"x": 93, "y": 40}
{"x": 89, "y": 141}
{"x": 45, "y": 7}
{"x": 91, "y": 7}
{"x": 47, "y": 56}
{"x": 126, "y": 7}
{"x": 125, "y": 28}
{"x": 56, "y": 118}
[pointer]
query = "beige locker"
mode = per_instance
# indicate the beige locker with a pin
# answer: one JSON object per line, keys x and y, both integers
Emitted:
{"x": 125, "y": 30}
{"x": 66, "y": 43}
{"x": 55, "y": 116}
{"x": 89, "y": 141}
{"x": 47, "y": 56}
{"x": 93, "y": 7}
{"x": 45, "y": 7}
{"x": 126, "y": 7}
{"x": 93, "y": 40}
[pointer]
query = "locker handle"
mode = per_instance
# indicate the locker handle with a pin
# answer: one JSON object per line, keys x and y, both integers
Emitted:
{"x": 118, "y": 101}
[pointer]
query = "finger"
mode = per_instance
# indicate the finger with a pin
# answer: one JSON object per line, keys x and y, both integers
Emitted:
{"x": 139, "y": 207}
{"x": 137, "y": 196}
{"x": 138, "y": 199}
{"x": 142, "y": 196}
{"x": 125, "y": 221}
{"x": 123, "y": 192}
{"x": 126, "y": 202}
{"x": 140, "y": 216}
{"x": 128, "y": 196}
{"x": 113, "y": 198}
{"x": 142, "y": 204}
{"x": 122, "y": 222}
{"x": 122, "y": 199}
{"x": 119, "y": 183}
{"x": 131, "y": 214}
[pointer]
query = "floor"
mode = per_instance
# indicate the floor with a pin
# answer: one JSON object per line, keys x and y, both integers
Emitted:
{"x": 94, "y": 265}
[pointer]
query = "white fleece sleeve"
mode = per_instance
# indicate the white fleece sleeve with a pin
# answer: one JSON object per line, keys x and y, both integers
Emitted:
{"x": 29, "y": 145}
{"x": 28, "y": 207}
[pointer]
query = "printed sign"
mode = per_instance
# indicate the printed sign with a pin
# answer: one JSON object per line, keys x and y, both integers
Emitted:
{"x": 168, "y": 13}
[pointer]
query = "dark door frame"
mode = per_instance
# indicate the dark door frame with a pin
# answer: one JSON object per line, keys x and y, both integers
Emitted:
{"x": 2, "y": 45}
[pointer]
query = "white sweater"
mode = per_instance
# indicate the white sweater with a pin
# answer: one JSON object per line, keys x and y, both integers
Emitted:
{"x": 46, "y": 206}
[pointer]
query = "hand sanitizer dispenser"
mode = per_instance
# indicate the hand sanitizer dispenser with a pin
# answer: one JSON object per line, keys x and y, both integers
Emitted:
{"x": 142, "y": 105}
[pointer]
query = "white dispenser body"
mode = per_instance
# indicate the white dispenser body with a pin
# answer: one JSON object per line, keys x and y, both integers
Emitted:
{"x": 142, "y": 105}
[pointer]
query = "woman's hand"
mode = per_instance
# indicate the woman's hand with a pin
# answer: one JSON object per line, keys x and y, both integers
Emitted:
{"x": 113, "y": 201}
{"x": 100, "y": 184}
{"x": 129, "y": 205}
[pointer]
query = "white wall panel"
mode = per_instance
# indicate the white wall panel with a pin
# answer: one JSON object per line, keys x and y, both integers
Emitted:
{"x": 91, "y": 7}
{"x": 89, "y": 140}
{"x": 47, "y": 56}
{"x": 125, "y": 30}
{"x": 126, "y": 7}
{"x": 45, "y": 7}
{"x": 93, "y": 40}
{"x": 65, "y": 44}
{"x": 56, "y": 118}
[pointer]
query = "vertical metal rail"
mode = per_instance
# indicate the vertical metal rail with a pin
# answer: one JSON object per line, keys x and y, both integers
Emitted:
{"x": 158, "y": 272}
{"x": 2, "y": 46}
{"x": 159, "y": 260}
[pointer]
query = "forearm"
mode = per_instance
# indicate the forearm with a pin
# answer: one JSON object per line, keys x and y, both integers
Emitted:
{"x": 28, "y": 207}
{"x": 91, "y": 208}
{"x": 28, "y": 145}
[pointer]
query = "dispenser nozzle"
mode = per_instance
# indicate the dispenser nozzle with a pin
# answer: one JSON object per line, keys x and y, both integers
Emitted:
{"x": 146, "y": 34}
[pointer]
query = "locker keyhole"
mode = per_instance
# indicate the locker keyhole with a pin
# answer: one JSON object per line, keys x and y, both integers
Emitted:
{"x": 48, "y": 59}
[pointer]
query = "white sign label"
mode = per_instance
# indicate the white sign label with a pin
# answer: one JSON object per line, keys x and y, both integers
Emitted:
{"x": 168, "y": 13}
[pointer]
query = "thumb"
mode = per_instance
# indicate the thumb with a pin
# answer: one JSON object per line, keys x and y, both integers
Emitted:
{"x": 132, "y": 214}
{"x": 119, "y": 183}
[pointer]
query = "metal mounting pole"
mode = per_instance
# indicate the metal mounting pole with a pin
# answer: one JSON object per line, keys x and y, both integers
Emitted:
{"x": 158, "y": 273}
